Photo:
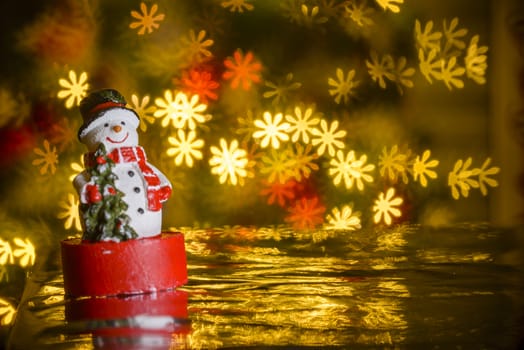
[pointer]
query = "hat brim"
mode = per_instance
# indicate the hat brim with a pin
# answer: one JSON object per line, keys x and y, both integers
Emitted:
{"x": 103, "y": 116}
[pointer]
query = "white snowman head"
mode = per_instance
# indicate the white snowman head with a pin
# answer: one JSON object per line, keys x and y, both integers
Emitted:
{"x": 107, "y": 121}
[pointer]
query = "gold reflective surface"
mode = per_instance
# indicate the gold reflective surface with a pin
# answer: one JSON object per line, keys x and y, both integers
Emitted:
{"x": 400, "y": 287}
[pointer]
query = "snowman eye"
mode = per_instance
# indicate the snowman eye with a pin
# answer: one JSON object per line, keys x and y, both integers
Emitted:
{"x": 123, "y": 123}
{"x": 106, "y": 125}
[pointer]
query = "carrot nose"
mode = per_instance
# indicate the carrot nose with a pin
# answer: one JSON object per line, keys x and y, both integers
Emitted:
{"x": 117, "y": 128}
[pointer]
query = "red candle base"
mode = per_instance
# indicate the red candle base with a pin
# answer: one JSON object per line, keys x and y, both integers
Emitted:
{"x": 130, "y": 267}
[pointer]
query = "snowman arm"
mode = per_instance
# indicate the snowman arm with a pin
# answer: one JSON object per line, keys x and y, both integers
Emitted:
{"x": 80, "y": 181}
{"x": 163, "y": 179}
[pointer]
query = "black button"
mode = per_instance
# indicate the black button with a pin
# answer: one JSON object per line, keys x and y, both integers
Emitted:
{"x": 140, "y": 211}
{"x": 131, "y": 173}
{"x": 136, "y": 189}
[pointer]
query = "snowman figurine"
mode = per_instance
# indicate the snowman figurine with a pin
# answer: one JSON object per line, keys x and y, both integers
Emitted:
{"x": 110, "y": 133}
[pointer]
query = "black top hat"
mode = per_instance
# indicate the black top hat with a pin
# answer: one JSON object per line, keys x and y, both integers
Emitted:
{"x": 97, "y": 103}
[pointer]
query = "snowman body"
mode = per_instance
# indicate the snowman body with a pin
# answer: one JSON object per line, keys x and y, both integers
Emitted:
{"x": 116, "y": 128}
{"x": 130, "y": 181}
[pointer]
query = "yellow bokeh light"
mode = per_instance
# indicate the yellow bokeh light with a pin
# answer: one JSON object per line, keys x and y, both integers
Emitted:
{"x": 185, "y": 148}
{"x": 48, "y": 158}
{"x": 272, "y": 130}
{"x": 70, "y": 213}
{"x": 7, "y": 313}
{"x": 196, "y": 46}
{"x": 301, "y": 124}
{"x": 6, "y": 253}
{"x": 303, "y": 139}
{"x": 237, "y": 5}
{"x": 385, "y": 207}
{"x": 391, "y": 5}
{"x": 146, "y": 20}
{"x": 350, "y": 169}
{"x": 180, "y": 111}
{"x": 229, "y": 162}
{"x": 25, "y": 252}
{"x": 328, "y": 138}
{"x": 421, "y": 168}
{"x": 74, "y": 89}
{"x": 343, "y": 219}
{"x": 463, "y": 178}
{"x": 343, "y": 87}
{"x": 476, "y": 61}
{"x": 393, "y": 164}
{"x": 144, "y": 110}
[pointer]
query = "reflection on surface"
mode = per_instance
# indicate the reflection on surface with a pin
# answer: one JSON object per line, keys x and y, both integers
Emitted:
{"x": 402, "y": 286}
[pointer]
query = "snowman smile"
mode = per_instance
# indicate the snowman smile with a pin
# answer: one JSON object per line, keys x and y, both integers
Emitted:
{"x": 113, "y": 141}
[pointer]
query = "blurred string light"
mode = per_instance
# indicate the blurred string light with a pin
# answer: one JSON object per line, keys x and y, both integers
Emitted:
{"x": 304, "y": 161}
{"x": 385, "y": 68}
{"x": 25, "y": 252}
{"x": 242, "y": 70}
{"x": 282, "y": 148}
{"x": 6, "y": 253}
{"x": 394, "y": 164}
{"x": 7, "y": 312}
{"x": 280, "y": 92}
{"x": 476, "y": 61}
{"x": 146, "y": 20}
{"x": 22, "y": 254}
{"x": 74, "y": 89}
{"x": 185, "y": 148}
{"x": 302, "y": 123}
{"x": 386, "y": 206}
{"x": 421, "y": 168}
{"x": 200, "y": 82}
{"x": 343, "y": 87}
{"x": 143, "y": 109}
{"x": 70, "y": 213}
{"x": 351, "y": 170}
{"x": 307, "y": 213}
{"x": 237, "y": 5}
{"x": 181, "y": 111}
{"x": 359, "y": 12}
{"x": 311, "y": 16}
{"x": 391, "y": 5}
{"x": 272, "y": 131}
{"x": 343, "y": 219}
{"x": 461, "y": 179}
{"x": 278, "y": 165}
{"x": 47, "y": 158}
{"x": 197, "y": 46}
{"x": 279, "y": 193}
{"x": 439, "y": 51}
{"x": 76, "y": 167}
{"x": 229, "y": 162}
{"x": 328, "y": 137}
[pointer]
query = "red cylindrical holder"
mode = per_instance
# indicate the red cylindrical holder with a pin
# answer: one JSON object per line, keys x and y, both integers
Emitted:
{"x": 172, "y": 303}
{"x": 167, "y": 303}
{"x": 120, "y": 268}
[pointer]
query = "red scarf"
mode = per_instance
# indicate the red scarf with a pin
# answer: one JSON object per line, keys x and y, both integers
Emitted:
{"x": 156, "y": 194}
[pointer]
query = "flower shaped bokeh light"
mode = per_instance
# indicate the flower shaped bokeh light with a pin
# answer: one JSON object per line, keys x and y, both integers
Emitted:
{"x": 323, "y": 119}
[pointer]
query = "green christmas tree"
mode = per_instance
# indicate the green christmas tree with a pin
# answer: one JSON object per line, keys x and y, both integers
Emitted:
{"x": 104, "y": 214}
